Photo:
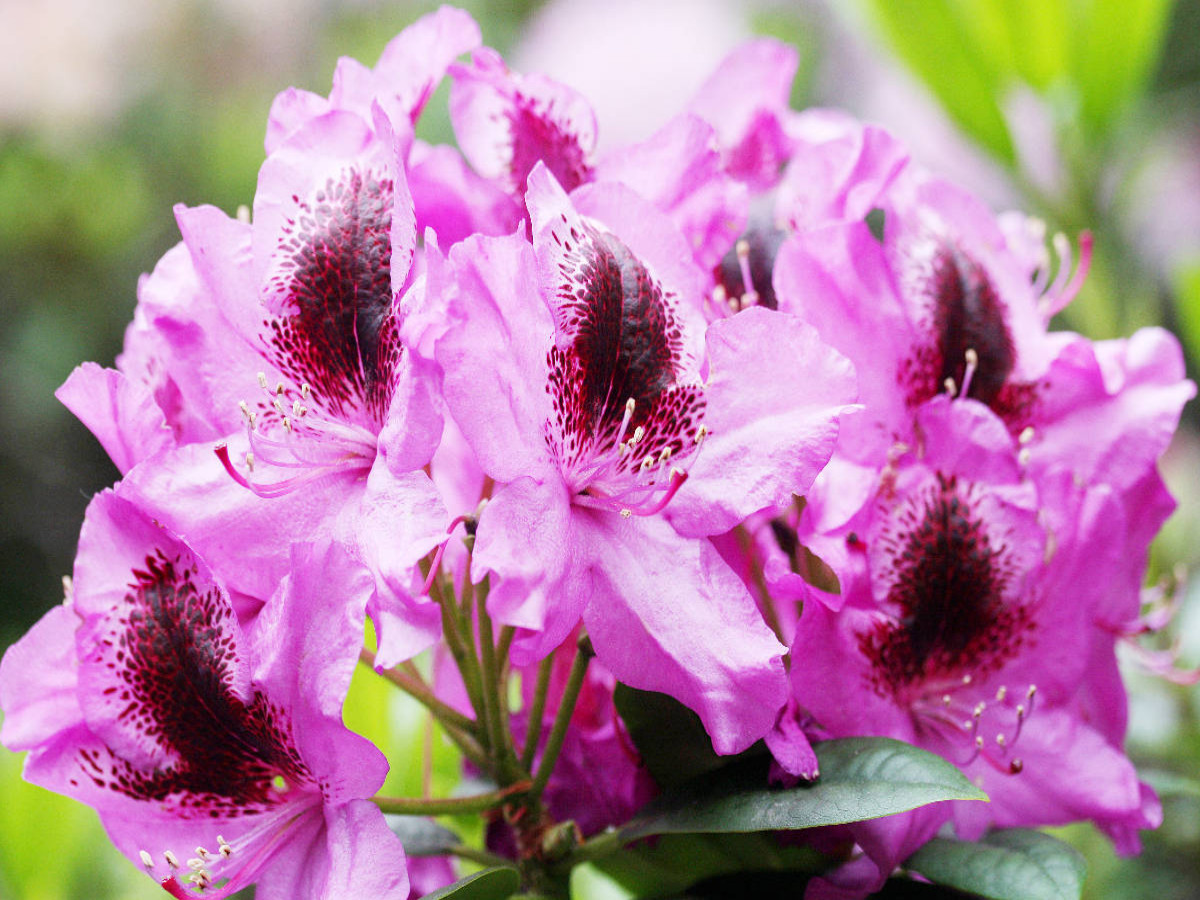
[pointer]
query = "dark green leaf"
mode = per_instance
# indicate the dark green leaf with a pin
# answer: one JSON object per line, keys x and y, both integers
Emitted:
{"x": 861, "y": 778}
{"x": 674, "y": 862}
{"x": 498, "y": 883}
{"x": 669, "y": 737}
{"x": 1014, "y": 864}
{"x": 421, "y": 836}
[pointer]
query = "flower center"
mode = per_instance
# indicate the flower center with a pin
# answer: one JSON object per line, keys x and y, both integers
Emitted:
{"x": 621, "y": 422}
{"x": 333, "y": 282}
{"x": 170, "y": 649}
{"x": 950, "y": 588}
{"x": 971, "y": 351}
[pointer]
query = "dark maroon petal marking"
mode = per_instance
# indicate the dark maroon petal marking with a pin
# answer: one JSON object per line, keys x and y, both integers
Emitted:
{"x": 625, "y": 345}
{"x": 966, "y": 314}
{"x": 950, "y": 586}
{"x": 170, "y": 652}
{"x": 536, "y": 135}
{"x": 763, "y": 241}
{"x": 340, "y": 334}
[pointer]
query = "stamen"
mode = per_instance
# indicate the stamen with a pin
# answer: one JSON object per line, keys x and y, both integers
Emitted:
{"x": 147, "y": 860}
{"x": 243, "y": 214}
{"x": 749, "y": 295}
{"x": 262, "y": 380}
{"x": 171, "y": 859}
{"x": 972, "y": 358}
{"x": 950, "y": 386}
{"x": 1026, "y": 435}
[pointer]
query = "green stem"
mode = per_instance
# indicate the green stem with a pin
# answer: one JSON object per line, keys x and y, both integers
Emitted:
{"x": 537, "y": 709}
{"x": 448, "y": 806}
{"x": 598, "y": 846}
{"x": 462, "y": 649}
{"x": 562, "y": 718}
{"x": 483, "y": 857}
{"x": 415, "y": 686}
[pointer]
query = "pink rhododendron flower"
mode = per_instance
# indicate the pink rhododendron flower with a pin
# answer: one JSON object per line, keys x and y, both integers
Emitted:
{"x": 216, "y": 757}
{"x": 600, "y": 416}
{"x": 971, "y": 623}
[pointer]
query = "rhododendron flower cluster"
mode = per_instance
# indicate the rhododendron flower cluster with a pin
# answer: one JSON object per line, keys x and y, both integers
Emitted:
{"x": 756, "y": 414}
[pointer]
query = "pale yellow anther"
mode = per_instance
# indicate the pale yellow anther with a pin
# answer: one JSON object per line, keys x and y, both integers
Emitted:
{"x": 245, "y": 408}
{"x": 1023, "y": 456}
{"x": 243, "y": 214}
{"x": 287, "y": 424}
{"x": 701, "y": 433}
{"x": 626, "y": 513}
{"x": 742, "y": 249}
{"x": 196, "y": 865}
{"x": 147, "y": 859}
{"x": 279, "y": 389}
{"x": 979, "y": 742}
{"x": 1001, "y": 693}
{"x": 1020, "y": 710}
{"x": 202, "y": 853}
{"x": 262, "y": 380}
{"x": 946, "y": 700}
{"x": 1000, "y": 740}
{"x": 647, "y": 463}
{"x": 305, "y": 391}
{"x": 638, "y": 434}
{"x": 171, "y": 859}
{"x": 1026, "y": 435}
{"x": 967, "y": 679}
{"x": 972, "y": 357}
{"x": 978, "y": 711}
{"x": 250, "y": 461}
{"x": 630, "y": 405}
{"x": 951, "y": 387}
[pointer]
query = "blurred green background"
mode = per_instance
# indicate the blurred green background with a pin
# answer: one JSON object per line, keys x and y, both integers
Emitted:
{"x": 1084, "y": 112}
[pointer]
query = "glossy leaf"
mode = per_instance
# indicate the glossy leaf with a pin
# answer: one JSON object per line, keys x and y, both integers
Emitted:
{"x": 1014, "y": 864}
{"x": 672, "y": 863}
{"x": 861, "y": 778}
{"x": 670, "y": 738}
{"x": 498, "y": 883}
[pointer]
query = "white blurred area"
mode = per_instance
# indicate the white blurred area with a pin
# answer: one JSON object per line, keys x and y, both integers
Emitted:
{"x": 67, "y": 65}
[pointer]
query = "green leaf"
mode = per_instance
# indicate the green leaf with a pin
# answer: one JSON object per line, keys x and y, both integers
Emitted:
{"x": 940, "y": 43}
{"x": 670, "y": 738}
{"x": 1115, "y": 47}
{"x": 498, "y": 883}
{"x": 861, "y": 778}
{"x": 674, "y": 862}
{"x": 421, "y": 836}
{"x": 1186, "y": 282}
{"x": 1014, "y": 864}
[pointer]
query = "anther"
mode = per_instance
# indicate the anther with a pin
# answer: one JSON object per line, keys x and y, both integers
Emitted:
{"x": 1000, "y": 740}
{"x": 287, "y": 423}
{"x": 249, "y": 460}
{"x": 196, "y": 865}
{"x": 147, "y": 859}
{"x": 1015, "y": 767}
{"x": 1026, "y": 435}
{"x": 262, "y": 380}
{"x": 171, "y": 859}
{"x": 223, "y": 847}
{"x": 950, "y": 386}
{"x": 305, "y": 391}
{"x": 243, "y": 214}
{"x": 626, "y": 513}
{"x": 701, "y": 433}
{"x": 638, "y": 434}
{"x": 202, "y": 853}
{"x": 1023, "y": 456}
{"x": 1001, "y": 693}
{"x": 972, "y": 358}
